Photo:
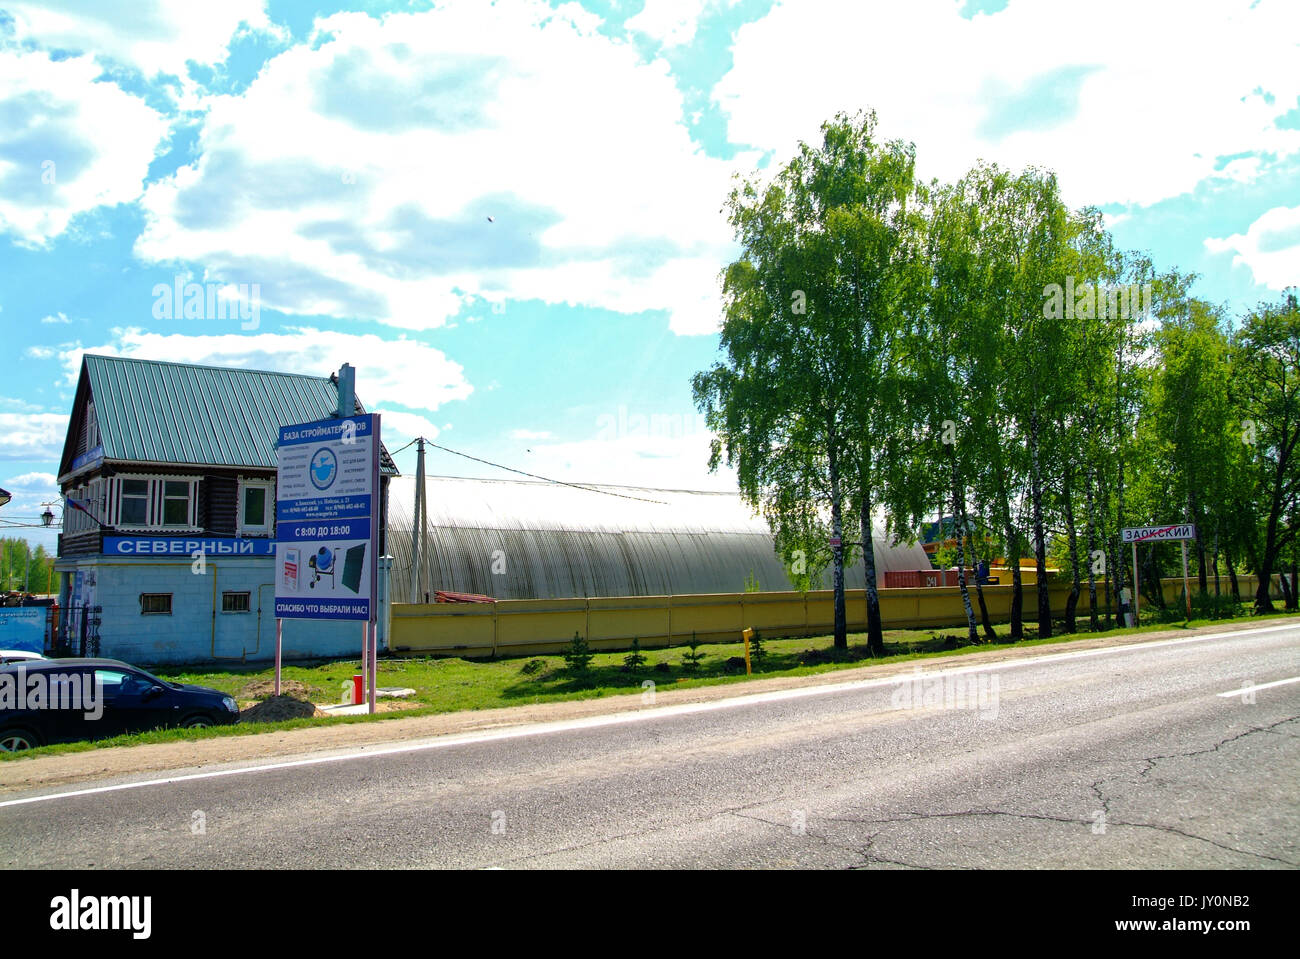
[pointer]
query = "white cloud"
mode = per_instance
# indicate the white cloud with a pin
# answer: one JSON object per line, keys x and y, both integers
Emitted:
{"x": 32, "y": 437}
{"x": 56, "y": 318}
{"x": 68, "y": 143}
{"x": 399, "y": 427}
{"x": 152, "y": 36}
{"x": 21, "y": 405}
{"x": 1270, "y": 247}
{"x": 671, "y": 22}
{"x": 356, "y": 175}
{"x": 530, "y": 434}
{"x": 401, "y": 371}
{"x": 1119, "y": 102}
{"x": 33, "y": 483}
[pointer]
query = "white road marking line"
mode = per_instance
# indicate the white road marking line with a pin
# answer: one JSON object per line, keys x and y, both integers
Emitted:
{"x": 661, "y": 712}
{"x": 1250, "y": 689}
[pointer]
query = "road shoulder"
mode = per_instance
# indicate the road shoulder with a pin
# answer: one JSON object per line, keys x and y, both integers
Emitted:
{"x": 124, "y": 762}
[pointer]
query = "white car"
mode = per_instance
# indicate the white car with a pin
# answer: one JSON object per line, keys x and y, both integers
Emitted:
{"x": 18, "y": 656}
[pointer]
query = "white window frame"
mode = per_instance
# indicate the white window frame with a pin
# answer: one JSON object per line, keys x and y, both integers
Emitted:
{"x": 264, "y": 530}
{"x": 155, "y": 507}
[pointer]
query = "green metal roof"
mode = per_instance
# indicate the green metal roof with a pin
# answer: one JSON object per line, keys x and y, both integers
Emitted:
{"x": 204, "y": 415}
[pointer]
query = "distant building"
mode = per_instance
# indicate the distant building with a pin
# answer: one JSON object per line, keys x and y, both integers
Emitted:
{"x": 515, "y": 539}
{"x": 166, "y": 460}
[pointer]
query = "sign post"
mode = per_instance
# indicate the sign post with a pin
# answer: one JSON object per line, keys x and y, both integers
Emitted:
{"x": 1137, "y": 592}
{"x": 1187, "y": 590}
{"x": 1159, "y": 534}
{"x": 327, "y": 526}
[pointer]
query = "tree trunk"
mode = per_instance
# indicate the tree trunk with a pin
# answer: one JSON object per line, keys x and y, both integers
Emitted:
{"x": 958, "y": 511}
{"x": 1094, "y": 622}
{"x": 1040, "y": 539}
{"x": 1198, "y": 543}
{"x": 1072, "y": 603}
{"x": 837, "y": 580}
{"x": 985, "y": 624}
{"x": 1218, "y": 593}
{"x": 1013, "y": 561}
{"x": 1264, "y": 602}
{"x": 875, "y": 630}
{"x": 1232, "y": 575}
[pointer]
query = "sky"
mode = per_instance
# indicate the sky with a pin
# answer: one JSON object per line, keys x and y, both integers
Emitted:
{"x": 508, "y": 216}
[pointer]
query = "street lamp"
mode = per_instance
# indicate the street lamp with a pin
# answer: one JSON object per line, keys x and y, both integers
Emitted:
{"x": 47, "y": 517}
{"x": 4, "y": 496}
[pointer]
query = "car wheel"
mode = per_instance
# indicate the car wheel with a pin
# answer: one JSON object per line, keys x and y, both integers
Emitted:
{"x": 13, "y": 740}
{"x": 196, "y": 722}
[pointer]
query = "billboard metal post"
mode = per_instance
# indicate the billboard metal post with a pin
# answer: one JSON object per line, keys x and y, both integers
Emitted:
{"x": 1136, "y": 601}
{"x": 365, "y": 657}
{"x": 328, "y": 514}
{"x": 373, "y": 665}
{"x": 279, "y": 647}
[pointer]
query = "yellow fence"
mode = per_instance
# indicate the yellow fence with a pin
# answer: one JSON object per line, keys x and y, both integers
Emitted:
{"x": 535, "y": 626}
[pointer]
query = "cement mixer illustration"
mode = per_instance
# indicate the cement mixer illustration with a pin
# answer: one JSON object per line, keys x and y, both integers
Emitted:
{"x": 325, "y": 564}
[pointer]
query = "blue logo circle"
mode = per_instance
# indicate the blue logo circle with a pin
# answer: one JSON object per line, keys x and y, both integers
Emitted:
{"x": 324, "y": 468}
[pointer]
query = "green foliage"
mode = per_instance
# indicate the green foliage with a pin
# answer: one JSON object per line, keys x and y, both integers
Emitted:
{"x": 756, "y": 651}
{"x": 692, "y": 658}
{"x": 751, "y": 583}
{"x": 578, "y": 654}
{"x": 20, "y": 563}
{"x": 635, "y": 659}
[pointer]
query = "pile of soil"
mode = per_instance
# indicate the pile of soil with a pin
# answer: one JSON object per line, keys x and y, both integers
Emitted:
{"x": 265, "y": 689}
{"x": 277, "y": 708}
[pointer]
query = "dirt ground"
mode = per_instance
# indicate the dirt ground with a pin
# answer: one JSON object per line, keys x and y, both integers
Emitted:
{"x": 128, "y": 761}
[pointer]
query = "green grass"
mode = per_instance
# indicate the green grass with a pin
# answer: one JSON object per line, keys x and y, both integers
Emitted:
{"x": 444, "y": 685}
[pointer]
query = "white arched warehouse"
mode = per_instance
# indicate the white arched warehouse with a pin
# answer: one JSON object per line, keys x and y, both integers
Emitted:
{"x": 513, "y": 539}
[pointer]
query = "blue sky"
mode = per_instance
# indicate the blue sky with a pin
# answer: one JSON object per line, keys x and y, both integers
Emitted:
{"x": 507, "y": 215}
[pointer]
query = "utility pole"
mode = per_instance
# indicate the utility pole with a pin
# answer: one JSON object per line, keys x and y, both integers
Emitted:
{"x": 417, "y": 522}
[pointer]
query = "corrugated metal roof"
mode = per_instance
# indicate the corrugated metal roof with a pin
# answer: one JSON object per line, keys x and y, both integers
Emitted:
{"x": 559, "y": 542}
{"x": 160, "y": 412}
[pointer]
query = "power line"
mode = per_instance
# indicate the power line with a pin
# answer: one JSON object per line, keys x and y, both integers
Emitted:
{"x": 544, "y": 479}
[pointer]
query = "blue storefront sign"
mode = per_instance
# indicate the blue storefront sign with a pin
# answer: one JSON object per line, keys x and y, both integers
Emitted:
{"x": 89, "y": 458}
{"x": 23, "y": 627}
{"x": 326, "y": 524}
{"x": 186, "y": 546}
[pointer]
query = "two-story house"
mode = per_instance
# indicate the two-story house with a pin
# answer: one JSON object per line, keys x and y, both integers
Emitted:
{"x": 168, "y": 475}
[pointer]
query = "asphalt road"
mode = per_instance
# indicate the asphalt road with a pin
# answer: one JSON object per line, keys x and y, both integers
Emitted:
{"x": 1118, "y": 758}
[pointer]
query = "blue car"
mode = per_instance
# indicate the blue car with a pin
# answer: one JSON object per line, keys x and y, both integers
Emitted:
{"x": 67, "y": 700}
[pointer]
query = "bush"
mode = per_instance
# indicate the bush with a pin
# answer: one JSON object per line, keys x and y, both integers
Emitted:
{"x": 691, "y": 660}
{"x": 532, "y": 666}
{"x": 578, "y": 655}
{"x": 635, "y": 659}
{"x": 756, "y": 651}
